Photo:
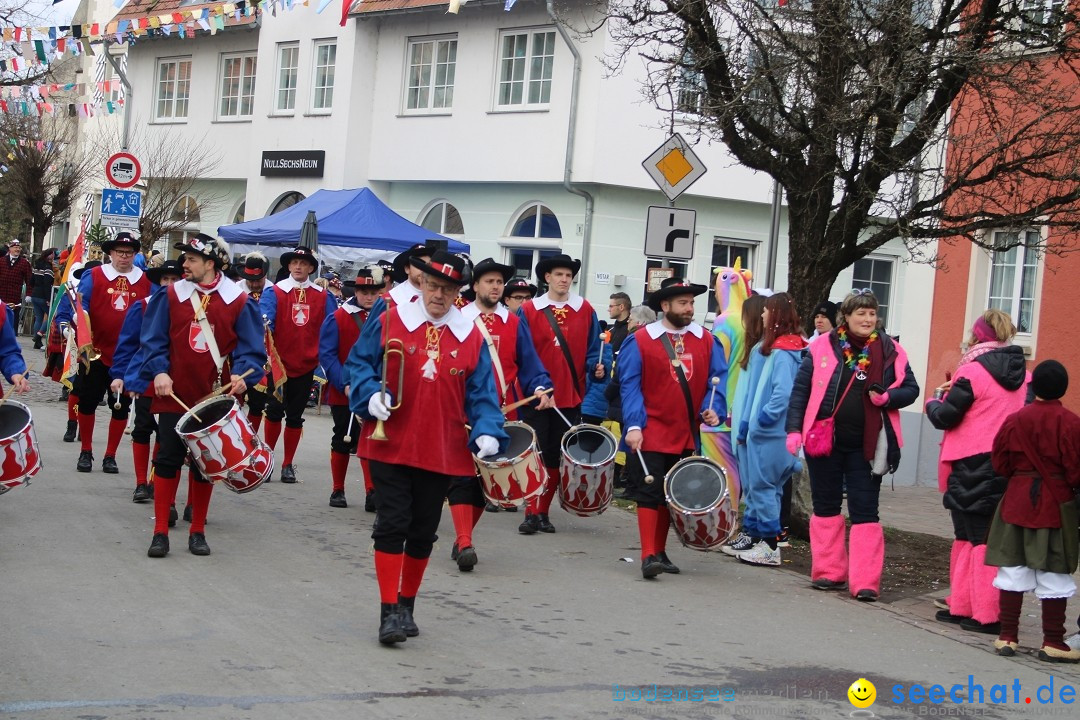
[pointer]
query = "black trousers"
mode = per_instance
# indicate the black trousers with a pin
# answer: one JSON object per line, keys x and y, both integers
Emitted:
{"x": 971, "y": 527}
{"x": 650, "y": 495}
{"x": 296, "y": 392}
{"x": 94, "y": 386}
{"x": 549, "y": 429}
{"x": 410, "y": 507}
{"x": 845, "y": 467}
{"x": 466, "y": 490}
{"x": 341, "y": 415}
{"x": 144, "y": 425}
{"x": 256, "y": 402}
{"x": 172, "y": 451}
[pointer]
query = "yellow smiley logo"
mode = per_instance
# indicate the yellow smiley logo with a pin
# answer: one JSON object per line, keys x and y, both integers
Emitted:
{"x": 862, "y": 693}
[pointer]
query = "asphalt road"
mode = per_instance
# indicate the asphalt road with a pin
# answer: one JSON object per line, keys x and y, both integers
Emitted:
{"x": 280, "y": 621}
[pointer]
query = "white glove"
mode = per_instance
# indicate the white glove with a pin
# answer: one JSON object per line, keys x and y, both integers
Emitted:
{"x": 486, "y": 446}
{"x": 379, "y": 406}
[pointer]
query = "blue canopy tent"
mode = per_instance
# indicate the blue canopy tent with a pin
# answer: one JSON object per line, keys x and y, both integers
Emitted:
{"x": 354, "y": 227}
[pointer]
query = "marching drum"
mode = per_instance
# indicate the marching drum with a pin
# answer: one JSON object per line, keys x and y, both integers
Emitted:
{"x": 253, "y": 472}
{"x": 697, "y": 495}
{"x": 587, "y": 470}
{"x": 516, "y": 475}
{"x": 221, "y": 439}
{"x": 19, "y": 456}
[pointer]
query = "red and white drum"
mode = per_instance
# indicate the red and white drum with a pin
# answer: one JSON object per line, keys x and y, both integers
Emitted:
{"x": 587, "y": 470}
{"x": 220, "y": 439}
{"x": 516, "y": 475}
{"x": 19, "y": 456}
{"x": 252, "y": 474}
{"x": 697, "y": 495}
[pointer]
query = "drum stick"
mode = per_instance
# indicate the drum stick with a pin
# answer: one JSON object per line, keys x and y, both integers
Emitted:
{"x": 348, "y": 433}
{"x": 221, "y": 390}
{"x": 565, "y": 420}
{"x": 186, "y": 408}
{"x": 649, "y": 479}
{"x": 12, "y": 388}
{"x": 715, "y": 381}
{"x": 130, "y": 420}
{"x": 116, "y": 405}
{"x": 519, "y": 403}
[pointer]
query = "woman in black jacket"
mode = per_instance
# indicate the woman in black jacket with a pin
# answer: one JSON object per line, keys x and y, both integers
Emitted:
{"x": 41, "y": 285}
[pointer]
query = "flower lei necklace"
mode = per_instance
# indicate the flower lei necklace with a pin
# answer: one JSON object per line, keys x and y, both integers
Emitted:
{"x": 859, "y": 363}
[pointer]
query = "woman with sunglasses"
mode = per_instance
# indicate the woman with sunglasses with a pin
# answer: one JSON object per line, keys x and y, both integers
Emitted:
{"x": 845, "y": 409}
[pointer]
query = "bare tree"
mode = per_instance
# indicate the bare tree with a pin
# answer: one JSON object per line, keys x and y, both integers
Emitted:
{"x": 20, "y": 13}
{"x": 881, "y": 119}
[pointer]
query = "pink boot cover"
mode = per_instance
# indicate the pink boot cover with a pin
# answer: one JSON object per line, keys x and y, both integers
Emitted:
{"x": 827, "y": 552}
{"x": 867, "y": 557}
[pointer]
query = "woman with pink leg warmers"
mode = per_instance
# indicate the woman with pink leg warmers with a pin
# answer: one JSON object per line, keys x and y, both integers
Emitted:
{"x": 989, "y": 385}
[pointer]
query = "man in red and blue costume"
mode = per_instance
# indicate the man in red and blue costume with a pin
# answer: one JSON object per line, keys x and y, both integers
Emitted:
{"x": 294, "y": 309}
{"x": 448, "y": 383}
{"x": 178, "y": 363}
{"x": 340, "y": 332}
{"x": 579, "y": 327}
{"x": 107, "y": 292}
{"x": 654, "y": 408}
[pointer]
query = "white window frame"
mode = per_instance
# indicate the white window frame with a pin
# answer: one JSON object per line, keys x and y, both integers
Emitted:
{"x": 1045, "y": 10}
{"x": 526, "y": 80}
{"x": 689, "y": 88}
{"x": 510, "y": 247}
{"x": 325, "y": 108}
{"x": 442, "y": 205}
{"x": 175, "y": 84}
{"x": 279, "y": 69}
{"x": 431, "y": 84}
{"x": 892, "y": 306}
{"x": 536, "y": 238}
{"x": 248, "y": 67}
{"x": 1026, "y": 256}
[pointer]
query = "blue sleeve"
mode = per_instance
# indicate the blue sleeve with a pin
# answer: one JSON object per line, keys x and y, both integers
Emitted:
{"x": 331, "y": 304}
{"x": 11, "y": 359}
{"x": 531, "y": 371}
{"x": 250, "y": 351}
{"x": 592, "y": 350}
{"x": 268, "y": 305}
{"x": 718, "y": 368}
{"x": 127, "y": 342}
{"x": 328, "y": 353}
{"x": 154, "y": 340}
{"x": 785, "y": 368}
{"x": 363, "y": 367}
{"x": 63, "y": 313}
{"x": 86, "y": 289}
{"x": 482, "y": 404}
{"x": 629, "y": 367}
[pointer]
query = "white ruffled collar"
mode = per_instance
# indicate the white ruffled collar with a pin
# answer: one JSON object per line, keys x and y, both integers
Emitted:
{"x": 657, "y": 328}
{"x": 473, "y": 311}
{"x": 228, "y": 291}
{"x": 133, "y": 275}
{"x": 404, "y": 293}
{"x": 288, "y": 285}
{"x": 414, "y": 314}
{"x": 542, "y": 301}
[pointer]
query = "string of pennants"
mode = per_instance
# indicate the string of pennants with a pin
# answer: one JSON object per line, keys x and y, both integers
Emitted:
{"x": 41, "y": 108}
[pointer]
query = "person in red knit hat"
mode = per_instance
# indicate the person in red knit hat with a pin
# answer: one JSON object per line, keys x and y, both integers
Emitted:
{"x": 295, "y": 309}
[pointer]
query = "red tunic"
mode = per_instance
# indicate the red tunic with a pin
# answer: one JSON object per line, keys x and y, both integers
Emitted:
{"x": 348, "y": 333}
{"x": 504, "y": 334}
{"x": 300, "y": 314}
{"x": 109, "y": 303}
{"x": 575, "y": 325}
{"x": 668, "y": 426}
{"x": 191, "y": 364}
{"x": 428, "y": 430}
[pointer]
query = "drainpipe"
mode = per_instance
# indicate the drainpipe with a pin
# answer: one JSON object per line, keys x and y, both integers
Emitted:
{"x": 571, "y": 133}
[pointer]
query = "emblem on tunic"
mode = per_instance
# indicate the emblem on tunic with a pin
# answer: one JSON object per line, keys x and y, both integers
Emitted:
{"x": 301, "y": 313}
{"x": 197, "y": 339}
{"x": 686, "y": 361}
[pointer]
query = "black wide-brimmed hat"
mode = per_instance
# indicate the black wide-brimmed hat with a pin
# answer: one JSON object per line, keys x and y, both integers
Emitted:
{"x": 557, "y": 261}
{"x": 88, "y": 266}
{"x": 300, "y": 253}
{"x": 169, "y": 267}
{"x": 255, "y": 267}
{"x": 445, "y": 265}
{"x": 424, "y": 249}
{"x": 673, "y": 287}
{"x": 208, "y": 247}
{"x": 367, "y": 276}
{"x": 488, "y": 265}
{"x": 124, "y": 238}
{"x": 517, "y": 284}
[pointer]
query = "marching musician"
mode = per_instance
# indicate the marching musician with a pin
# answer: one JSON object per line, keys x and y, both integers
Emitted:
{"x": 294, "y": 309}
{"x": 516, "y": 292}
{"x": 181, "y": 356}
{"x": 107, "y": 292}
{"x": 566, "y": 335}
{"x": 12, "y": 364}
{"x": 340, "y": 332}
{"x": 446, "y": 382}
{"x": 127, "y": 355}
{"x": 253, "y": 277}
{"x": 661, "y": 366}
{"x": 516, "y": 366}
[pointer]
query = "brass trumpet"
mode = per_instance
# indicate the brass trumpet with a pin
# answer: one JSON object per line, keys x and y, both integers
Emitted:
{"x": 393, "y": 347}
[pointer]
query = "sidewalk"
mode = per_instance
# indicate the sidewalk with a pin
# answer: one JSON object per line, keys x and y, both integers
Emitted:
{"x": 914, "y": 509}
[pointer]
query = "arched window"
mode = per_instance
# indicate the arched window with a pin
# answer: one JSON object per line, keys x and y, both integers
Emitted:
{"x": 285, "y": 202}
{"x": 443, "y": 218}
{"x": 239, "y": 216}
{"x": 185, "y": 224}
{"x": 526, "y": 224}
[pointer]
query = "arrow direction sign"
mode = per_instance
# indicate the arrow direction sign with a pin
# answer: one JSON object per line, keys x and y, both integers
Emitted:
{"x": 669, "y": 232}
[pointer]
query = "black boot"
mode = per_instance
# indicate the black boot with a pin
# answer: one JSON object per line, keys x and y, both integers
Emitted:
{"x": 390, "y": 629}
{"x": 197, "y": 544}
{"x": 187, "y": 513}
{"x": 544, "y": 524}
{"x": 142, "y": 494}
{"x": 651, "y": 567}
{"x": 369, "y": 502}
{"x": 530, "y": 525}
{"x": 405, "y": 612}
{"x": 667, "y": 565}
{"x": 466, "y": 559}
{"x": 37, "y": 341}
{"x": 159, "y": 546}
{"x": 72, "y": 431}
{"x": 172, "y": 516}
{"x": 108, "y": 465}
{"x": 337, "y": 499}
{"x": 86, "y": 461}
{"x": 288, "y": 474}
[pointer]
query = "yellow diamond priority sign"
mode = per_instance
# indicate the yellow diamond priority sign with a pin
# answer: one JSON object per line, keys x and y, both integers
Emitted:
{"x": 674, "y": 167}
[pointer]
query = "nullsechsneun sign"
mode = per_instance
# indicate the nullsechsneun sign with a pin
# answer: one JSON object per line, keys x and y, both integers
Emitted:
{"x": 293, "y": 163}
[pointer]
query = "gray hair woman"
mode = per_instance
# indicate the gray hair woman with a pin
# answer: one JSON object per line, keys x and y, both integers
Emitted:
{"x": 639, "y": 316}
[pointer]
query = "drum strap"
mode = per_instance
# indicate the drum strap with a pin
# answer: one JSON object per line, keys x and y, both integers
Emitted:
{"x": 565, "y": 349}
{"x": 495, "y": 362}
{"x": 665, "y": 340}
{"x": 208, "y": 333}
